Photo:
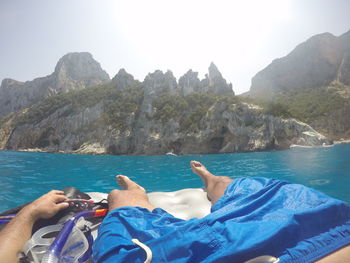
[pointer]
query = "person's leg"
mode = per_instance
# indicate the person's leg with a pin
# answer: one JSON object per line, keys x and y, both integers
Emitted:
{"x": 341, "y": 255}
{"x": 132, "y": 195}
{"x": 214, "y": 185}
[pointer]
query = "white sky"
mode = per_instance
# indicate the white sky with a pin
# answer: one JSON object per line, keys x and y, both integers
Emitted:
{"x": 240, "y": 37}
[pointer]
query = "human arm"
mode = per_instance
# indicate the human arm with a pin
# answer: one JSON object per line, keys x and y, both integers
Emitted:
{"x": 14, "y": 235}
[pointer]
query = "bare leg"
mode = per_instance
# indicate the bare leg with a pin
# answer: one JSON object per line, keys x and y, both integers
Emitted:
{"x": 214, "y": 185}
{"x": 341, "y": 255}
{"x": 132, "y": 195}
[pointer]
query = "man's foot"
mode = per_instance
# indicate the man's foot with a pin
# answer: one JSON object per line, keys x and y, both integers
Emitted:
{"x": 131, "y": 195}
{"x": 201, "y": 171}
{"x": 214, "y": 185}
{"x": 127, "y": 184}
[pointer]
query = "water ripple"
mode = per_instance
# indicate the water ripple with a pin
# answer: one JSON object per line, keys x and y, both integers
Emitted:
{"x": 320, "y": 182}
{"x": 25, "y": 176}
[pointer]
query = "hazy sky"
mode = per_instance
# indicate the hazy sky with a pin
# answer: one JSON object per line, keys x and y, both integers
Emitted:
{"x": 240, "y": 37}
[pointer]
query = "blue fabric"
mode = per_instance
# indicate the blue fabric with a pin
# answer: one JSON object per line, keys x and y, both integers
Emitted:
{"x": 255, "y": 217}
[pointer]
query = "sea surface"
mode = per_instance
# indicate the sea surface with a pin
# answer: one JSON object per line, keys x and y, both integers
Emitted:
{"x": 25, "y": 176}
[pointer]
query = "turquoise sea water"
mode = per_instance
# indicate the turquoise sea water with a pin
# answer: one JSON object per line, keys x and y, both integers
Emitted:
{"x": 25, "y": 176}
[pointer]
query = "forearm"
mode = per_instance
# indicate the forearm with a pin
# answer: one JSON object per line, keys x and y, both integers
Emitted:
{"x": 18, "y": 231}
{"x": 15, "y": 234}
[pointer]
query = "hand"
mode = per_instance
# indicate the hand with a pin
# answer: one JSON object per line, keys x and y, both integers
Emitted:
{"x": 47, "y": 205}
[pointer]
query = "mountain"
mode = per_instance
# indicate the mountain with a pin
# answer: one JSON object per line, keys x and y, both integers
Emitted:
{"x": 312, "y": 84}
{"x": 73, "y": 71}
{"x": 158, "y": 115}
{"x": 318, "y": 62}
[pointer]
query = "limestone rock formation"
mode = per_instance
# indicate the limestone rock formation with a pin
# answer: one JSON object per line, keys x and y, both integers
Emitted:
{"x": 76, "y": 71}
{"x": 315, "y": 63}
{"x": 213, "y": 83}
{"x": 120, "y": 117}
{"x": 335, "y": 125}
{"x": 159, "y": 82}
{"x": 123, "y": 79}
{"x": 243, "y": 127}
{"x": 225, "y": 128}
{"x": 155, "y": 84}
{"x": 73, "y": 71}
{"x": 343, "y": 75}
{"x": 217, "y": 84}
{"x": 319, "y": 66}
{"x": 189, "y": 83}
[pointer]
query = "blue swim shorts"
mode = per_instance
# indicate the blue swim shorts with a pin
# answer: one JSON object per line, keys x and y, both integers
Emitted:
{"x": 255, "y": 217}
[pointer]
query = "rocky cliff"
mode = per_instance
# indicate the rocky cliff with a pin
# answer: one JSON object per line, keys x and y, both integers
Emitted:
{"x": 335, "y": 125}
{"x": 155, "y": 116}
{"x": 312, "y": 83}
{"x": 315, "y": 63}
{"x": 212, "y": 83}
{"x": 226, "y": 127}
{"x": 73, "y": 71}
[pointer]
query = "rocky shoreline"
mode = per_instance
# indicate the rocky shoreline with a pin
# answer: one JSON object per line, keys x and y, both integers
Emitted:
{"x": 225, "y": 128}
{"x": 341, "y": 141}
{"x": 99, "y": 152}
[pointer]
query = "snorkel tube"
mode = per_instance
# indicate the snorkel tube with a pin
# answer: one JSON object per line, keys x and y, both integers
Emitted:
{"x": 6, "y": 219}
{"x": 54, "y": 252}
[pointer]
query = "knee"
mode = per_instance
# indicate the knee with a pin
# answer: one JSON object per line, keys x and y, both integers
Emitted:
{"x": 114, "y": 195}
{"x": 114, "y": 192}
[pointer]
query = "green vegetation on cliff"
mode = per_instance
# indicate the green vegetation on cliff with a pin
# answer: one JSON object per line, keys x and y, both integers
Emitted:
{"x": 169, "y": 106}
{"x": 72, "y": 102}
{"x": 118, "y": 104}
{"x": 309, "y": 104}
{"x": 189, "y": 110}
{"x": 122, "y": 105}
{"x": 198, "y": 106}
{"x": 305, "y": 105}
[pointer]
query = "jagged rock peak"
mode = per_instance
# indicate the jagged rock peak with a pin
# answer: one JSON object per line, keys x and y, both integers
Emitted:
{"x": 73, "y": 71}
{"x": 160, "y": 82}
{"x": 213, "y": 71}
{"x": 189, "y": 82}
{"x": 80, "y": 65}
{"x": 123, "y": 79}
{"x": 216, "y": 83}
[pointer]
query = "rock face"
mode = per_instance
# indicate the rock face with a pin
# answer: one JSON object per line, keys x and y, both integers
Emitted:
{"x": 73, "y": 71}
{"x": 77, "y": 71}
{"x": 159, "y": 82}
{"x": 213, "y": 83}
{"x": 223, "y": 124}
{"x": 189, "y": 83}
{"x": 320, "y": 63}
{"x": 216, "y": 83}
{"x": 123, "y": 79}
{"x": 343, "y": 75}
{"x": 226, "y": 128}
{"x": 155, "y": 84}
{"x": 315, "y": 63}
{"x": 335, "y": 125}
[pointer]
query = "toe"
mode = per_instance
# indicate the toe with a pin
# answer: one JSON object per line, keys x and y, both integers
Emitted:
{"x": 195, "y": 164}
{"x": 127, "y": 184}
{"x": 122, "y": 181}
